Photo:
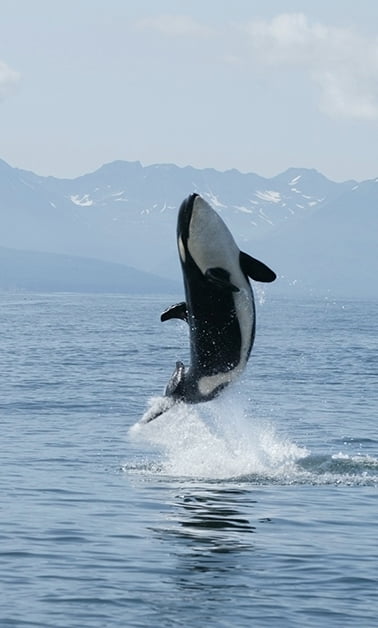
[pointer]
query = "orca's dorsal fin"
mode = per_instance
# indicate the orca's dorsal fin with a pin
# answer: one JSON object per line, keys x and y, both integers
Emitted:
{"x": 175, "y": 386}
{"x": 179, "y": 310}
{"x": 221, "y": 278}
{"x": 255, "y": 269}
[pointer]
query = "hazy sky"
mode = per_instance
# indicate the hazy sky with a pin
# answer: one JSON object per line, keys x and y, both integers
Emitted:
{"x": 255, "y": 85}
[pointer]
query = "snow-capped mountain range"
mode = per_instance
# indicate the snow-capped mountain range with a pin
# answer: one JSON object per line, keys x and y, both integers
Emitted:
{"x": 316, "y": 233}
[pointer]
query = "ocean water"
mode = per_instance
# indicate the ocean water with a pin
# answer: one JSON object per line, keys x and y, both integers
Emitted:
{"x": 257, "y": 509}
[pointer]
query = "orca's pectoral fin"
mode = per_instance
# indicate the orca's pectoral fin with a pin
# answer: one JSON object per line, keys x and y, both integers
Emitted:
{"x": 175, "y": 386}
{"x": 255, "y": 269}
{"x": 179, "y": 310}
{"x": 220, "y": 278}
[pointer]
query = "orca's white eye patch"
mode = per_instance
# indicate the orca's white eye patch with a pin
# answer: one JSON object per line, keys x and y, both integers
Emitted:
{"x": 181, "y": 249}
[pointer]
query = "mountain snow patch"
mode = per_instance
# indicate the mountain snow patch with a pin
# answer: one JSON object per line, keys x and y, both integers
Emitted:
{"x": 241, "y": 208}
{"x": 269, "y": 195}
{"x": 118, "y": 196}
{"x": 83, "y": 201}
{"x": 295, "y": 180}
{"x": 213, "y": 199}
{"x": 264, "y": 217}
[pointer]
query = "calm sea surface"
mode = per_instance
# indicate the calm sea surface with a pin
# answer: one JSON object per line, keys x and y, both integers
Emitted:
{"x": 258, "y": 509}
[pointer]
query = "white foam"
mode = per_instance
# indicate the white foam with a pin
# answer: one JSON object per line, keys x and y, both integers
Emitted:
{"x": 222, "y": 440}
{"x": 219, "y": 440}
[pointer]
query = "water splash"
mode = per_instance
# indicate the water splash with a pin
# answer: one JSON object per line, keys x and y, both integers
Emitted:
{"x": 339, "y": 469}
{"x": 220, "y": 440}
{"x": 217, "y": 440}
{"x": 260, "y": 294}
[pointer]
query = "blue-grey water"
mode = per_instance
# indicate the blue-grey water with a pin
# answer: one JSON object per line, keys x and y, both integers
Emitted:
{"x": 257, "y": 509}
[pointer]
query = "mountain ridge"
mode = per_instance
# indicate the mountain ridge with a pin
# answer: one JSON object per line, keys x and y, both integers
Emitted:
{"x": 43, "y": 272}
{"x": 125, "y": 213}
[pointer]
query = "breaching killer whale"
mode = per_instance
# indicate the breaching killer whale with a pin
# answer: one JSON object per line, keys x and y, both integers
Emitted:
{"x": 219, "y": 306}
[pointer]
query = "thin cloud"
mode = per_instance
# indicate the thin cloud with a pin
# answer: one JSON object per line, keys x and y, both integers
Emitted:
{"x": 175, "y": 26}
{"x": 8, "y": 79}
{"x": 342, "y": 63}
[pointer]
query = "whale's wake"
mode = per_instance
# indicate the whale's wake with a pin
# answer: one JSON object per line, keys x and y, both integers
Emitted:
{"x": 219, "y": 440}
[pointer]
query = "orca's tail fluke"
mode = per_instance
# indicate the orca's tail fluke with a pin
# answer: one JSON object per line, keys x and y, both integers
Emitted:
{"x": 159, "y": 405}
